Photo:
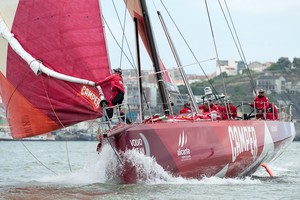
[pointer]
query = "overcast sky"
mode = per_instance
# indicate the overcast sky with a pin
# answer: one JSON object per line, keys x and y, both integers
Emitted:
{"x": 267, "y": 29}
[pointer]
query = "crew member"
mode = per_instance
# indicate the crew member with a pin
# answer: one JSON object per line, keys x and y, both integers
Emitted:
{"x": 232, "y": 110}
{"x": 186, "y": 109}
{"x": 272, "y": 112}
{"x": 117, "y": 88}
{"x": 261, "y": 104}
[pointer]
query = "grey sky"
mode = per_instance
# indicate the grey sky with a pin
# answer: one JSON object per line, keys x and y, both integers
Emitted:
{"x": 267, "y": 29}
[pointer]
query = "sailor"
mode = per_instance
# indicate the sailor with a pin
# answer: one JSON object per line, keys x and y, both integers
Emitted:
{"x": 186, "y": 108}
{"x": 228, "y": 110}
{"x": 261, "y": 104}
{"x": 212, "y": 105}
{"x": 208, "y": 92}
{"x": 232, "y": 111}
{"x": 272, "y": 112}
{"x": 207, "y": 96}
{"x": 117, "y": 88}
{"x": 207, "y": 112}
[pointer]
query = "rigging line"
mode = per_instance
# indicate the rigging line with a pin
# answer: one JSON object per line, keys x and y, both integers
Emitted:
{"x": 60, "y": 122}
{"x": 132, "y": 65}
{"x": 92, "y": 124}
{"x": 67, "y": 150}
{"x": 239, "y": 47}
{"x": 215, "y": 46}
{"x": 244, "y": 58}
{"x": 8, "y": 103}
{"x": 123, "y": 32}
{"x": 37, "y": 158}
{"x": 107, "y": 137}
{"x": 12, "y": 94}
{"x": 154, "y": 5}
{"x": 234, "y": 40}
{"x": 209, "y": 81}
{"x": 128, "y": 46}
{"x": 178, "y": 61}
{"x": 124, "y": 36}
{"x": 173, "y": 69}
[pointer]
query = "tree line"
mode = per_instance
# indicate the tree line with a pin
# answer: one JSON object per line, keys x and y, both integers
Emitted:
{"x": 284, "y": 64}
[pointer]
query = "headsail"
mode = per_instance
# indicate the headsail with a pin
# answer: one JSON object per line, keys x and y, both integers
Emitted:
{"x": 135, "y": 11}
{"x": 67, "y": 37}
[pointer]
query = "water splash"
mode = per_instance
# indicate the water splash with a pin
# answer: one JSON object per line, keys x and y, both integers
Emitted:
{"x": 106, "y": 168}
{"x": 96, "y": 170}
{"x": 150, "y": 172}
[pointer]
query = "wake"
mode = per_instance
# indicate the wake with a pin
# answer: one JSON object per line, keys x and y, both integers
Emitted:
{"x": 106, "y": 168}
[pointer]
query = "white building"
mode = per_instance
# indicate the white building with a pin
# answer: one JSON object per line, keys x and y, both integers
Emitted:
{"x": 227, "y": 66}
{"x": 258, "y": 66}
{"x": 132, "y": 95}
{"x": 272, "y": 83}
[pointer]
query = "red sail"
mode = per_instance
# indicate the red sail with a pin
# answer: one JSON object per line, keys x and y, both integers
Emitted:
{"x": 134, "y": 8}
{"x": 67, "y": 37}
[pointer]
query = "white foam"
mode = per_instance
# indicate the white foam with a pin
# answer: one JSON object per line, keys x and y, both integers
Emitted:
{"x": 95, "y": 170}
{"x": 104, "y": 167}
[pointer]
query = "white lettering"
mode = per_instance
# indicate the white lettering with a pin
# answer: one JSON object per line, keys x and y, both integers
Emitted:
{"x": 136, "y": 142}
{"x": 85, "y": 91}
{"x": 242, "y": 139}
{"x": 140, "y": 150}
{"x": 182, "y": 152}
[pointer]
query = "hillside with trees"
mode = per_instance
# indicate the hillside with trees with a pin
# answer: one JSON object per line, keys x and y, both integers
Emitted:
{"x": 239, "y": 88}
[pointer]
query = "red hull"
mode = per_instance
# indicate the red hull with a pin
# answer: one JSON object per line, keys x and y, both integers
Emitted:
{"x": 205, "y": 148}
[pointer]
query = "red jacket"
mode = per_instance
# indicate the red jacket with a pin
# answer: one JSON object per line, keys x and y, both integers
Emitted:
{"x": 261, "y": 103}
{"x": 116, "y": 82}
{"x": 212, "y": 107}
{"x": 272, "y": 113}
{"x": 223, "y": 112}
{"x": 233, "y": 111}
{"x": 185, "y": 110}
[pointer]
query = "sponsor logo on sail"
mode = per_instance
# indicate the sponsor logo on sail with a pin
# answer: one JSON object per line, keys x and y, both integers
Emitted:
{"x": 183, "y": 151}
{"x": 242, "y": 139}
{"x": 91, "y": 96}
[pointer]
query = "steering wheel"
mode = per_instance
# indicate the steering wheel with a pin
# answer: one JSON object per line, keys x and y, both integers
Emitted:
{"x": 247, "y": 116}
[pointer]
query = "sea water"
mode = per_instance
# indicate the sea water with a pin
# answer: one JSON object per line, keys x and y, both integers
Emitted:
{"x": 74, "y": 170}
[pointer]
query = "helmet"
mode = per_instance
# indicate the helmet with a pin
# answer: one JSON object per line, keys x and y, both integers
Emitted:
{"x": 222, "y": 96}
{"x": 261, "y": 90}
{"x": 119, "y": 70}
{"x": 207, "y": 91}
{"x": 205, "y": 100}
